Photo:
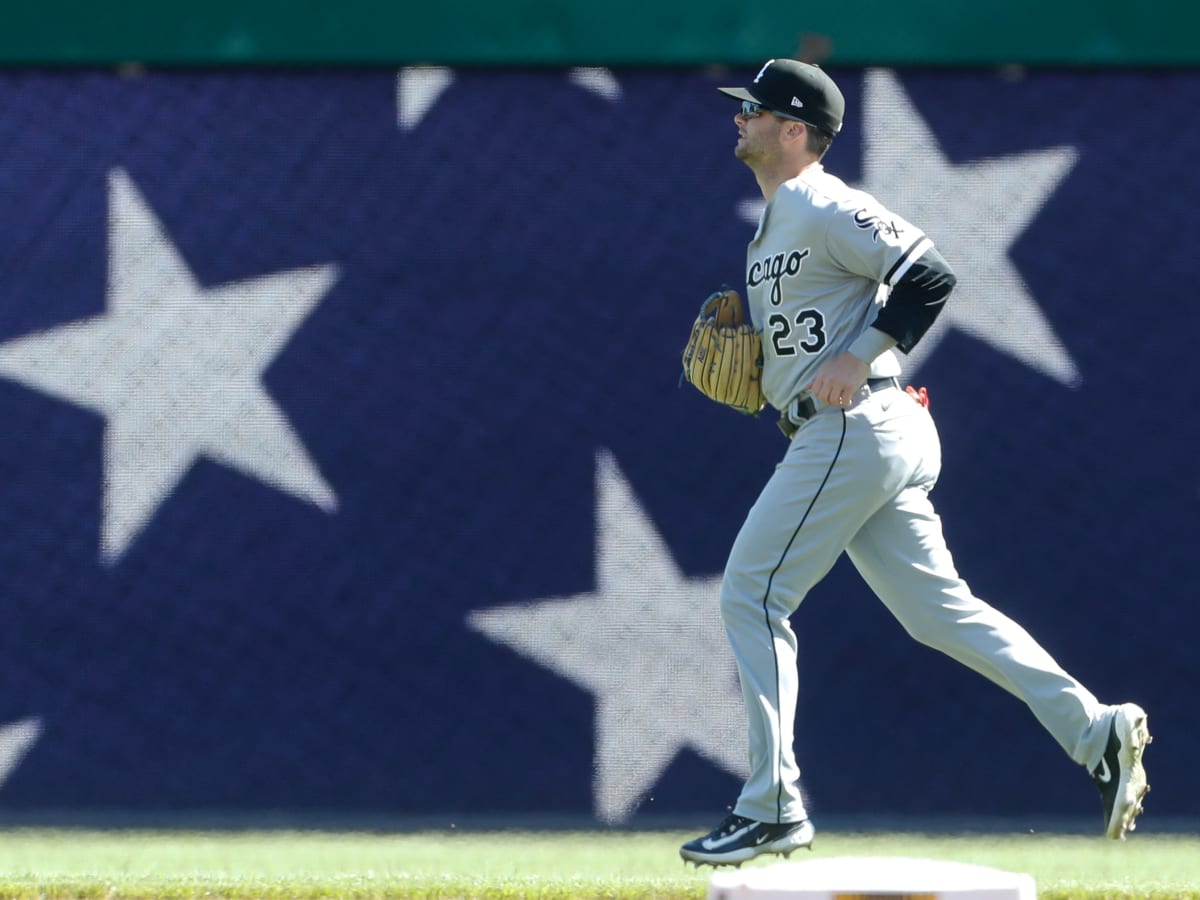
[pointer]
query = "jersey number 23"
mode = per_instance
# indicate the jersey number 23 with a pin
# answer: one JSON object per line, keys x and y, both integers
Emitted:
{"x": 805, "y": 331}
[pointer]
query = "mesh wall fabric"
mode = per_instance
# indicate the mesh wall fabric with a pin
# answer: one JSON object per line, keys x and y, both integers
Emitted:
{"x": 346, "y": 470}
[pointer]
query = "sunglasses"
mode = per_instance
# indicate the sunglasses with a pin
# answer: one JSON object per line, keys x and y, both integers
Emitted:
{"x": 752, "y": 110}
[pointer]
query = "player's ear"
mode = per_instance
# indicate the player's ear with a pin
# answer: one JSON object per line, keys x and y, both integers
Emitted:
{"x": 795, "y": 131}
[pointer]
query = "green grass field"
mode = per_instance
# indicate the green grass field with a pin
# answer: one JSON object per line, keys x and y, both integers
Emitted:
{"x": 44, "y": 864}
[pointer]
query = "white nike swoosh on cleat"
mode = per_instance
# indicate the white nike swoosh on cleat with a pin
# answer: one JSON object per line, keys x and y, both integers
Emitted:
{"x": 709, "y": 844}
{"x": 1104, "y": 774}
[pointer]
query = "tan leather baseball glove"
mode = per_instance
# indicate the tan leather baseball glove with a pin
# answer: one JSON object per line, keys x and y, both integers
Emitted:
{"x": 723, "y": 358}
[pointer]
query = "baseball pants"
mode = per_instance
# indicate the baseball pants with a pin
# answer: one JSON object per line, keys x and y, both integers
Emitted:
{"x": 858, "y": 480}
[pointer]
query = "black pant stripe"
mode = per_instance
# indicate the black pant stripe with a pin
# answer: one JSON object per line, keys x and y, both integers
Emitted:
{"x": 767, "y": 614}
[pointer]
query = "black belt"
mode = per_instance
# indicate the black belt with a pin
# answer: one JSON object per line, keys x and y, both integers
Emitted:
{"x": 807, "y": 408}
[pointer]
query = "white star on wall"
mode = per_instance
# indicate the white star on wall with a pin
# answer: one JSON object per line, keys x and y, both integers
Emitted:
{"x": 418, "y": 88}
{"x": 596, "y": 80}
{"x": 648, "y": 643}
{"x": 176, "y": 370}
{"x": 974, "y": 212}
{"x": 16, "y": 740}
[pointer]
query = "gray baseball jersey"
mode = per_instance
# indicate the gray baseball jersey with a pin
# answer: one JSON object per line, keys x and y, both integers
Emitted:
{"x": 817, "y": 272}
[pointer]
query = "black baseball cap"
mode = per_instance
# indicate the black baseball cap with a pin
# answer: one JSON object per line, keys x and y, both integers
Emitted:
{"x": 796, "y": 89}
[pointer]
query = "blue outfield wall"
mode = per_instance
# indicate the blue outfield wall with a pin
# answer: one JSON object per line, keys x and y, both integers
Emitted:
{"x": 346, "y": 471}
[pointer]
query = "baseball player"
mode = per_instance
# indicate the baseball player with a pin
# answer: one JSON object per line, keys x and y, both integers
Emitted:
{"x": 836, "y": 284}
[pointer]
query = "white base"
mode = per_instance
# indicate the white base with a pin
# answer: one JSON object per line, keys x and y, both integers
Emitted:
{"x": 860, "y": 877}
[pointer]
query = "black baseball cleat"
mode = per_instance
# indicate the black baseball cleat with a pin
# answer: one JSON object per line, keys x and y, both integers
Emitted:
{"x": 1120, "y": 775}
{"x": 738, "y": 839}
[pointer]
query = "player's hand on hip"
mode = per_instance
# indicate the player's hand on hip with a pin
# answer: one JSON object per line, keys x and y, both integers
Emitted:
{"x": 838, "y": 379}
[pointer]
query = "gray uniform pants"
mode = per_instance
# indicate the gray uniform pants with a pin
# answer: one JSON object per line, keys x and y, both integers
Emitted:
{"x": 858, "y": 480}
